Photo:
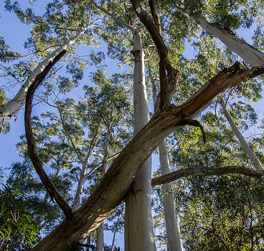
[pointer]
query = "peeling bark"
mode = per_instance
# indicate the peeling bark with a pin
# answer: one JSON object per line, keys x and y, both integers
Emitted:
{"x": 116, "y": 183}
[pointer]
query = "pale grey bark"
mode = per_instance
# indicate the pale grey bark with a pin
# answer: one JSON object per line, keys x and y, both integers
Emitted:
{"x": 100, "y": 229}
{"x": 247, "y": 52}
{"x": 138, "y": 216}
{"x": 15, "y": 104}
{"x": 251, "y": 154}
{"x": 172, "y": 226}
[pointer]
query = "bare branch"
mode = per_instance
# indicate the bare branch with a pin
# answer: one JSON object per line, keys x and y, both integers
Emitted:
{"x": 32, "y": 151}
{"x": 206, "y": 171}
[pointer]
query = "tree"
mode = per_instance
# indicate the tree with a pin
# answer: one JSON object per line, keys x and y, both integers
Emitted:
{"x": 206, "y": 80}
{"x": 19, "y": 231}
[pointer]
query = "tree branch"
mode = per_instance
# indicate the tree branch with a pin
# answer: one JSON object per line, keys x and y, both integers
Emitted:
{"x": 169, "y": 77}
{"x": 32, "y": 151}
{"x": 206, "y": 171}
{"x": 115, "y": 184}
{"x": 120, "y": 22}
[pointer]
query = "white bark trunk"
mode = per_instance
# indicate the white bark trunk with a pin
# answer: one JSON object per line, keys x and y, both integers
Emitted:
{"x": 15, "y": 104}
{"x": 138, "y": 216}
{"x": 172, "y": 225}
{"x": 100, "y": 238}
{"x": 251, "y": 55}
{"x": 100, "y": 229}
{"x": 252, "y": 156}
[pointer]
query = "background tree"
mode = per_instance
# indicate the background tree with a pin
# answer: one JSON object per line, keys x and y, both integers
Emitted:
{"x": 211, "y": 72}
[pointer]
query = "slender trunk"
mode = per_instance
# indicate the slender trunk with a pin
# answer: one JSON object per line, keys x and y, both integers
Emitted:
{"x": 172, "y": 225}
{"x": 100, "y": 229}
{"x": 252, "y": 156}
{"x": 240, "y": 47}
{"x": 78, "y": 195}
{"x": 138, "y": 218}
{"x": 15, "y": 104}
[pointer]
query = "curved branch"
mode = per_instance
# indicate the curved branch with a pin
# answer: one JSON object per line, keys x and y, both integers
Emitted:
{"x": 115, "y": 184}
{"x": 169, "y": 77}
{"x": 32, "y": 151}
{"x": 201, "y": 170}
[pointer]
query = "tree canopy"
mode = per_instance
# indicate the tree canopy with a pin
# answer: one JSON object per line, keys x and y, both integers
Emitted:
{"x": 88, "y": 64}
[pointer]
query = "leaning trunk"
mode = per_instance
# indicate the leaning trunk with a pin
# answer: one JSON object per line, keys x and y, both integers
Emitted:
{"x": 138, "y": 217}
{"x": 251, "y": 55}
{"x": 15, "y": 104}
{"x": 252, "y": 156}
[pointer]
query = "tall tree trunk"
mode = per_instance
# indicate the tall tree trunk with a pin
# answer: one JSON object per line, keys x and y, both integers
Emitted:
{"x": 100, "y": 229}
{"x": 251, "y": 55}
{"x": 116, "y": 183}
{"x": 15, "y": 104}
{"x": 252, "y": 156}
{"x": 172, "y": 225}
{"x": 138, "y": 217}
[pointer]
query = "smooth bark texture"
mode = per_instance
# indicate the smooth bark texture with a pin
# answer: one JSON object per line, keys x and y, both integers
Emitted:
{"x": 15, "y": 104}
{"x": 174, "y": 241}
{"x": 252, "y": 156}
{"x": 116, "y": 182}
{"x": 100, "y": 229}
{"x": 138, "y": 216}
{"x": 172, "y": 225}
{"x": 251, "y": 55}
{"x": 206, "y": 171}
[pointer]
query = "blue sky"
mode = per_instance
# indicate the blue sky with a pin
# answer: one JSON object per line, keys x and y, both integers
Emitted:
{"x": 15, "y": 34}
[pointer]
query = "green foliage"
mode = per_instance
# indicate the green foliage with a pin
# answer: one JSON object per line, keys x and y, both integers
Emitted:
{"x": 221, "y": 213}
{"x": 19, "y": 231}
{"x": 2, "y": 98}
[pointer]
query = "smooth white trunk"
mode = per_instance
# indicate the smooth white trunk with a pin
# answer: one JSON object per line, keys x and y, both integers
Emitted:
{"x": 15, "y": 104}
{"x": 100, "y": 238}
{"x": 172, "y": 225}
{"x": 251, "y": 55}
{"x": 100, "y": 229}
{"x": 252, "y": 156}
{"x": 138, "y": 216}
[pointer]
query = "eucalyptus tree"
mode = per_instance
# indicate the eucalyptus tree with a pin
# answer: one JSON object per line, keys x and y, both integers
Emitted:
{"x": 199, "y": 88}
{"x": 47, "y": 33}
{"x": 174, "y": 241}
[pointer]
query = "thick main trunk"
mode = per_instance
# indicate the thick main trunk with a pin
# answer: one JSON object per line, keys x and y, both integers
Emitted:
{"x": 251, "y": 55}
{"x": 15, "y": 104}
{"x": 115, "y": 184}
{"x": 252, "y": 156}
{"x": 138, "y": 217}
